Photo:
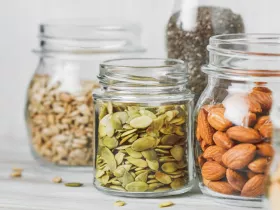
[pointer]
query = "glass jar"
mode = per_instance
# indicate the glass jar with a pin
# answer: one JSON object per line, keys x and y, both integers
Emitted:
{"x": 273, "y": 187}
{"x": 193, "y": 22}
{"x": 233, "y": 129}
{"x": 59, "y": 110}
{"x": 143, "y": 131}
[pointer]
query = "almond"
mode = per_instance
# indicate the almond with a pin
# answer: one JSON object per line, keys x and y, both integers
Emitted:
{"x": 206, "y": 131}
{"x": 239, "y": 156}
{"x": 259, "y": 165}
{"x": 253, "y": 105}
{"x": 222, "y": 187}
{"x": 263, "y": 98}
{"x": 213, "y": 171}
{"x": 217, "y": 120}
{"x": 265, "y": 149}
{"x": 236, "y": 179}
{"x": 261, "y": 121}
{"x": 197, "y": 134}
{"x": 262, "y": 89}
{"x": 244, "y": 135}
{"x": 222, "y": 140}
{"x": 254, "y": 187}
{"x": 201, "y": 160}
{"x": 203, "y": 145}
{"x": 209, "y": 107}
{"x": 205, "y": 181}
{"x": 250, "y": 174}
{"x": 215, "y": 153}
{"x": 249, "y": 120}
{"x": 266, "y": 130}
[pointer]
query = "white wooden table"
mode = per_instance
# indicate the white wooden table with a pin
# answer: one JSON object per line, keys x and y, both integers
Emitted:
{"x": 34, "y": 190}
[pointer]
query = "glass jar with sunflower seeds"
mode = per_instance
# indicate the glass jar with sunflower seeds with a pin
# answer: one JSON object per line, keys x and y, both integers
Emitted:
{"x": 59, "y": 108}
{"x": 143, "y": 134}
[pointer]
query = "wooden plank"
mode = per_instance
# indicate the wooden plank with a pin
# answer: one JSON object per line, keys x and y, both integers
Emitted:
{"x": 34, "y": 190}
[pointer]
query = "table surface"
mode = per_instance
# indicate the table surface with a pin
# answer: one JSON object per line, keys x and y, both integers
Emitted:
{"x": 35, "y": 190}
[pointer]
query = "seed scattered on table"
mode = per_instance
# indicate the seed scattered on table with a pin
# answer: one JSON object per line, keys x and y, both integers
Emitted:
{"x": 119, "y": 203}
{"x": 166, "y": 204}
{"x": 73, "y": 184}
{"x": 16, "y": 174}
{"x": 57, "y": 179}
{"x": 18, "y": 169}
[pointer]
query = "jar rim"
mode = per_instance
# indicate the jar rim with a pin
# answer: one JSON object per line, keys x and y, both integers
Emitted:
{"x": 89, "y": 36}
{"x": 244, "y": 55}
{"x": 143, "y": 73}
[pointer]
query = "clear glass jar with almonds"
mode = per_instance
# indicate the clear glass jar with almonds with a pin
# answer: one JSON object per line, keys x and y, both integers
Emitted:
{"x": 233, "y": 127}
{"x": 143, "y": 133}
{"x": 59, "y": 109}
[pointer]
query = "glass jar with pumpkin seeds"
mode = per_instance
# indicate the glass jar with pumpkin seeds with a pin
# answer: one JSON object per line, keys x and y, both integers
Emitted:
{"x": 143, "y": 144}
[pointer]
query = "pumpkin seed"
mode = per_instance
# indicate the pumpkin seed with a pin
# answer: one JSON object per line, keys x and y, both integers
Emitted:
{"x": 154, "y": 186}
{"x": 110, "y": 142}
{"x": 126, "y": 179}
{"x": 150, "y": 154}
{"x": 169, "y": 167}
{"x": 178, "y": 183}
{"x": 148, "y": 113}
{"x": 169, "y": 129}
{"x": 127, "y": 127}
{"x": 153, "y": 164}
{"x": 141, "y": 122}
{"x": 109, "y": 158}
{"x": 105, "y": 179}
{"x": 162, "y": 177}
{"x": 170, "y": 115}
{"x": 131, "y": 117}
{"x": 99, "y": 173}
{"x": 109, "y": 129}
{"x": 177, "y": 152}
{"x": 119, "y": 157}
{"x": 122, "y": 116}
{"x": 102, "y": 131}
{"x": 126, "y": 138}
{"x": 133, "y": 153}
{"x": 119, "y": 203}
{"x": 119, "y": 172}
{"x": 162, "y": 151}
{"x": 179, "y": 131}
{"x": 143, "y": 144}
{"x": 104, "y": 121}
{"x": 123, "y": 147}
{"x": 73, "y": 184}
{"x": 140, "y": 172}
{"x": 151, "y": 176}
{"x": 152, "y": 181}
{"x": 142, "y": 177}
{"x": 181, "y": 164}
{"x": 128, "y": 132}
{"x": 138, "y": 169}
{"x": 102, "y": 111}
{"x": 166, "y": 204}
{"x": 170, "y": 139}
{"x": 133, "y": 138}
{"x": 137, "y": 187}
{"x": 119, "y": 188}
{"x": 110, "y": 107}
{"x": 137, "y": 162}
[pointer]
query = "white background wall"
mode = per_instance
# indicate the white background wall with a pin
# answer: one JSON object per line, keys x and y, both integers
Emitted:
{"x": 18, "y": 30}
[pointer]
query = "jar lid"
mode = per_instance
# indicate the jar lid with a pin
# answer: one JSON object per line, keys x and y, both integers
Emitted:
{"x": 89, "y": 36}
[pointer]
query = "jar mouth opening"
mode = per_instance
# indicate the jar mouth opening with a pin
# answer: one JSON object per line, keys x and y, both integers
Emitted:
{"x": 143, "y": 73}
{"x": 89, "y": 36}
{"x": 247, "y": 56}
{"x": 143, "y": 63}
